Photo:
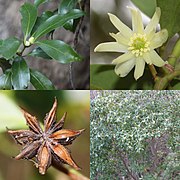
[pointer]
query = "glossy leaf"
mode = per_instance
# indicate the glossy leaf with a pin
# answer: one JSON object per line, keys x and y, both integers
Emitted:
{"x": 20, "y": 74}
{"x": 5, "y": 80}
{"x": 59, "y": 50}
{"x": 104, "y": 77}
{"x": 29, "y": 16}
{"x": 170, "y": 13}
{"x": 148, "y": 7}
{"x": 55, "y": 22}
{"x": 38, "y": 52}
{"x": 9, "y": 47}
{"x": 40, "y": 82}
{"x": 41, "y": 20}
{"x": 39, "y": 2}
{"x": 64, "y": 7}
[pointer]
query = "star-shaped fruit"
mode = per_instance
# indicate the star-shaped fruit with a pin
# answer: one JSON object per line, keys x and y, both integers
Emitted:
{"x": 48, "y": 145}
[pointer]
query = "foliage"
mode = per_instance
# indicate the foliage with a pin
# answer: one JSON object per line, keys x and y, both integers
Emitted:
{"x": 16, "y": 73}
{"x": 135, "y": 134}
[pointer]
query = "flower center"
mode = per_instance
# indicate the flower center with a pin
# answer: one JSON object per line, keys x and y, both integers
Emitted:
{"x": 139, "y": 44}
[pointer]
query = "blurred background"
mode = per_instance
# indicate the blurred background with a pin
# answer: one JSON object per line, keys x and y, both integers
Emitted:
{"x": 38, "y": 103}
{"x": 10, "y": 25}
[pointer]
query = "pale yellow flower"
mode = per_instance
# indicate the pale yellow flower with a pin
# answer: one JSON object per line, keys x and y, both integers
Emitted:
{"x": 137, "y": 44}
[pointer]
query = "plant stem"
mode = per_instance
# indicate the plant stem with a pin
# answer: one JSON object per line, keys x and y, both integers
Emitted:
{"x": 163, "y": 82}
{"x": 73, "y": 174}
{"x": 153, "y": 71}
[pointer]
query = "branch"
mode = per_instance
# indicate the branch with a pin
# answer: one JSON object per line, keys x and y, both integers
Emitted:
{"x": 126, "y": 166}
{"x": 72, "y": 173}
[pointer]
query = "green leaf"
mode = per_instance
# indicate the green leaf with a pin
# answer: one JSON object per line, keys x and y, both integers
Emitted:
{"x": 11, "y": 115}
{"x": 55, "y": 22}
{"x": 9, "y": 47}
{"x": 5, "y": 80}
{"x": 170, "y": 13}
{"x": 59, "y": 50}
{"x": 41, "y": 20}
{"x": 38, "y": 52}
{"x": 29, "y": 16}
{"x": 40, "y": 82}
{"x": 20, "y": 74}
{"x": 104, "y": 77}
{"x": 39, "y": 2}
{"x": 148, "y": 7}
{"x": 64, "y": 7}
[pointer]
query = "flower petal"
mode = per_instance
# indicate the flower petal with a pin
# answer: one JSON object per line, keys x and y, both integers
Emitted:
{"x": 147, "y": 58}
{"x": 64, "y": 155}
{"x": 125, "y": 30}
{"x": 120, "y": 38}
{"x": 110, "y": 47}
{"x": 154, "y": 21}
{"x": 137, "y": 23}
{"x": 123, "y": 58}
{"x": 156, "y": 59}
{"x": 151, "y": 34}
{"x": 139, "y": 68}
{"x": 123, "y": 69}
{"x": 159, "y": 39}
{"x": 44, "y": 158}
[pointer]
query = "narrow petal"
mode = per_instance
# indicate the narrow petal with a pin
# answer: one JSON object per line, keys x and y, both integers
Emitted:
{"x": 151, "y": 34}
{"x": 66, "y": 136}
{"x": 156, "y": 59}
{"x": 125, "y": 30}
{"x": 50, "y": 118}
{"x": 137, "y": 23}
{"x": 147, "y": 58}
{"x": 123, "y": 69}
{"x": 32, "y": 122}
{"x": 64, "y": 155}
{"x": 159, "y": 39}
{"x": 139, "y": 68}
{"x": 154, "y": 21}
{"x": 123, "y": 58}
{"x": 23, "y": 136}
{"x": 120, "y": 38}
{"x": 29, "y": 151}
{"x": 44, "y": 158}
{"x": 110, "y": 47}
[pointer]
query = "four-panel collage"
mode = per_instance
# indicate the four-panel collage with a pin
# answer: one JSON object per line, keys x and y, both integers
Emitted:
{"x": 89, "y": 90}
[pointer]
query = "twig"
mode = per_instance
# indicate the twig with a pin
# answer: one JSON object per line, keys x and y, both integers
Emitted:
{"x": 75, "y": 42}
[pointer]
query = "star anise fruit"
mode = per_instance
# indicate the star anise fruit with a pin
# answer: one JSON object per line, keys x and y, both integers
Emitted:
{"x": 48, "y": 145}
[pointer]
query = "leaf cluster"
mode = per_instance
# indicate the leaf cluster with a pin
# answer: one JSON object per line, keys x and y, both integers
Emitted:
{"x": 126, "y": 125}
{"x": 16, "y": 72}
